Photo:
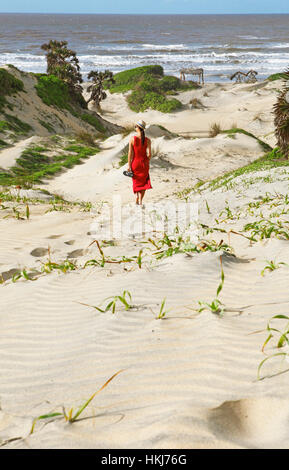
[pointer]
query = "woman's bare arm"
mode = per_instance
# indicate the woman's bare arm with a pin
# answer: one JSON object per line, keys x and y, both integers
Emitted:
{"x": 130, "y": 154}
{"x": 149, "y": 149}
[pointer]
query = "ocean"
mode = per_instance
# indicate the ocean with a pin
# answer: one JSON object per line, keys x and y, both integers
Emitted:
{"x": 220, "y": 44}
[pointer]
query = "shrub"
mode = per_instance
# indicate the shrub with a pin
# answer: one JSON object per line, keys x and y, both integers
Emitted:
{"x": 149, "y": 88}
{"x": 53, "y": 91}
{"x": 128, "y": 78}
{"x": 63, "y": 63}
{"x": 170, "y": 82}
{"x": 139, "y": 100}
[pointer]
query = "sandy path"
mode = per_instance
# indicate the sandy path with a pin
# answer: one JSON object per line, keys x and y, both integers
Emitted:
{"x": 9, "y": 156}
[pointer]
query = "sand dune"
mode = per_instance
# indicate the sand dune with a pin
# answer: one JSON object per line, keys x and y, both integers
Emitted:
{"x": 188, "y": 380}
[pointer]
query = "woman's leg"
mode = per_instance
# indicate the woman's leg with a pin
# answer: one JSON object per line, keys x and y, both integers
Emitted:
{"x": 137, "y": 198}
{"x": 142, "y": 193}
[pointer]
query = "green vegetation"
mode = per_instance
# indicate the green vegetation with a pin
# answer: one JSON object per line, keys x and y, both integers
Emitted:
{"x": 140, "y": 100}
{"x": 33, "y": 165}
{"x": 277, "y": 76}
{"x": 169, "y": 246}
{"x": 64, "y": 64}
{"x": 112, "y": 304}
{"x": 53, "y": 91}
{"x": 281, "y": 111}
{"x": 9, "y": 85}
{"x": 216, "y": 306}
{"x": 149, "y": 88}
{"x": 264, "y": 228}
{"x": 97, "y": 94}
{"x": 272, "y": 266}
{"x": 69, "y": 416}
{"x": 127, "y": 79}
{"x": 93, "y": 121}
{"x": 283, "y": 339}
{"x": 47, "y": 126}
{"x": 236, "y": 130}
{"x": 3, "y": 144}
{"x": 272, "y": 159}
{"x": 162, "y": 312}
{"x": 15, "y": 124}
{"x": 123, "y": 160}
{"x": 12, "y": 123}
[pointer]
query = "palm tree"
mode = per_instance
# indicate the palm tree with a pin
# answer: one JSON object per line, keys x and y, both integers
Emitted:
{"x": 97, "y": 94}
{"x": 281, "y": 116}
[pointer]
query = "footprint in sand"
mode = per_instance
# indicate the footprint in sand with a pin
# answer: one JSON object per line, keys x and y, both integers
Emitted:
{"x": 253, "y": 422}
{"x": 38, "y": 252}
{"x": 69, "y": 242}
{"x": 75, "y": 253}
{"x": 52, "y": 237}
{"x": 9, "y": 274}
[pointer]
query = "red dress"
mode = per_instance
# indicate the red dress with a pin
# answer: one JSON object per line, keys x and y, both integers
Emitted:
{"x": 140, "y": 166}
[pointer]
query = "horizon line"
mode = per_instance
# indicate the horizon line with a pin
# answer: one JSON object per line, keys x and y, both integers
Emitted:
{"x": 134, "y": 14}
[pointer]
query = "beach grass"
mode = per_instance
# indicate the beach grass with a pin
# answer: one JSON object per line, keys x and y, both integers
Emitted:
{"x": 282, "y": 339}
{"x": 9, "y": 85}
{"x": 14, "y": 124}
{"x": 69, "y": 416}
{"x": 272, "y": 159}
{"x": 34, "y": 164}
{"x": 277, "y": 76}
{"x": 215, "y": 306}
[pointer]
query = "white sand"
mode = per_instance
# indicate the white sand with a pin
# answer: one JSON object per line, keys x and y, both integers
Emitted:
{"x": 188, "y": 381}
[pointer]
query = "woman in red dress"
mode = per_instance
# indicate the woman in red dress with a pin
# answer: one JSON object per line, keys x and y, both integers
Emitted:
{"x": 139, "y": 156}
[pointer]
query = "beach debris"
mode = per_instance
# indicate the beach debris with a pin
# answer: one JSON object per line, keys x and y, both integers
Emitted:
{"x": 192, "y": 71}
{"x": 245, "y": 77}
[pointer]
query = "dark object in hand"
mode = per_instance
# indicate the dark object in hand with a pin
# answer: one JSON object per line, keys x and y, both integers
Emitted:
{"x": 128, "y": 173}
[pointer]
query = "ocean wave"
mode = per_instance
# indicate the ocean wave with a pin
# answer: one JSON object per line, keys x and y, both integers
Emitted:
{"x": 165, "y": 46}
{"x": 212, "y": 62}
{"x": 284, "y": 45}
{"x": 251, "y": 37}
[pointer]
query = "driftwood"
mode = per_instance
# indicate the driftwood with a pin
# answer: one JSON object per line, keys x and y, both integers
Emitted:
{"x": 198, "y": 72}
{"x": 249, "y": 77}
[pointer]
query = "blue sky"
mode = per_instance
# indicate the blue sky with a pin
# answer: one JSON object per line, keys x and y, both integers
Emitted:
{"x": 146, "y": 6}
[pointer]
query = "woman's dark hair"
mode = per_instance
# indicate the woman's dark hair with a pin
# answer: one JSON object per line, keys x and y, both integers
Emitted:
{"x": 142, "y": 135}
